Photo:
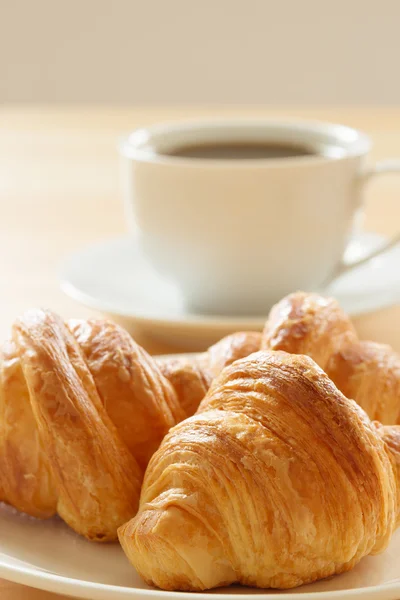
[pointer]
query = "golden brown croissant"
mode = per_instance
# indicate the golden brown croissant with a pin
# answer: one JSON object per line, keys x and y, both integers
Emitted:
{"x": 82, "y": 409}
{"x": 277, "y": 481}
{"x": 310, "y": 324}
{"x": 192, "y": 377}
{"x": 365, "y": 371}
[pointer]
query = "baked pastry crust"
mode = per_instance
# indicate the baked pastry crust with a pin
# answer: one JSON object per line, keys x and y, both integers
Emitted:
{"x": 367, "y": 372}
{"x": 277, "y": 481}
{"x": 82, "y": 408}
{"x": 304, "y": 323}
{"x": 192, "y": 377}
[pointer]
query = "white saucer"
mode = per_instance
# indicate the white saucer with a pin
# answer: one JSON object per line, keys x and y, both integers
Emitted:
{"x": 50, "y": 556}
{"x": 113, "y": 276}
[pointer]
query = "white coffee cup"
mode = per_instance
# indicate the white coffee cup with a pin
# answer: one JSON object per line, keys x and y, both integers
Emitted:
{"x": 237, "y": 235}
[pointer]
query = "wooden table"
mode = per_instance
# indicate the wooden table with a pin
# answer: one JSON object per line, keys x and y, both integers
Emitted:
{"x": 59, "y": 190}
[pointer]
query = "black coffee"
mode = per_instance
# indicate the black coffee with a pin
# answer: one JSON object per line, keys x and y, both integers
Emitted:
{"x": 240, "y": 150}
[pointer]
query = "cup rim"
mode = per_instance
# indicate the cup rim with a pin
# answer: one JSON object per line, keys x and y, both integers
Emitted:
{"x": 139, "y": 145}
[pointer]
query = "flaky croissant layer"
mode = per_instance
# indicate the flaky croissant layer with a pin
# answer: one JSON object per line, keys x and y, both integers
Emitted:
{"x": 367, "y": 372}
{"x": 277, "y": 481}
{"x": 306, "y": 323}
{"x": 82, "y": 409}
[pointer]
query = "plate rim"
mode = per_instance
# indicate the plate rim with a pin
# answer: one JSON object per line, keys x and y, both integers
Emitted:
{"x": 71, "y": 586}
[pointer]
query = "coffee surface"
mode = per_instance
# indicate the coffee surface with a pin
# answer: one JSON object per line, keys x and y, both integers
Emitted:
{"x": 240, "y": 150}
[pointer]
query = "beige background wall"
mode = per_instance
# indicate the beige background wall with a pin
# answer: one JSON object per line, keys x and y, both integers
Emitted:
{"x": 200, "y": 51}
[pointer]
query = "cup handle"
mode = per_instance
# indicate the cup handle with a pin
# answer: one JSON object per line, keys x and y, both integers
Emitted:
{"x": 380, "y": 168}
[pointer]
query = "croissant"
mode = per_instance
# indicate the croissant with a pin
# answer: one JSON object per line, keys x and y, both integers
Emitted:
{"x": 82, "y": 409}
{"x": 191, "y": 377}
{"x": 365, "y": 371}
{"x": 277, "y": 481}
{"x": 310, "y": 324}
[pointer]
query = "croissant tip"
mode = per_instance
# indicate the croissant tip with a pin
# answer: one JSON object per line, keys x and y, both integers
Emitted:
{"x": 34, "y": 317}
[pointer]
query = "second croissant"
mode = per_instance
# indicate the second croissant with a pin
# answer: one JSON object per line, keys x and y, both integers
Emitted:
{"x": 310, "y": 324}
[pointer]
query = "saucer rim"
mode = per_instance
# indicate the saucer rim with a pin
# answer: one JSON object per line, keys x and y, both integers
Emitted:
{"x": 195, "y": 321}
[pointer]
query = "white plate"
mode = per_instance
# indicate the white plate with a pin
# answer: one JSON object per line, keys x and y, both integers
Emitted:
{"x": 50, "y": 556}
{"x": 114, "y": 277}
